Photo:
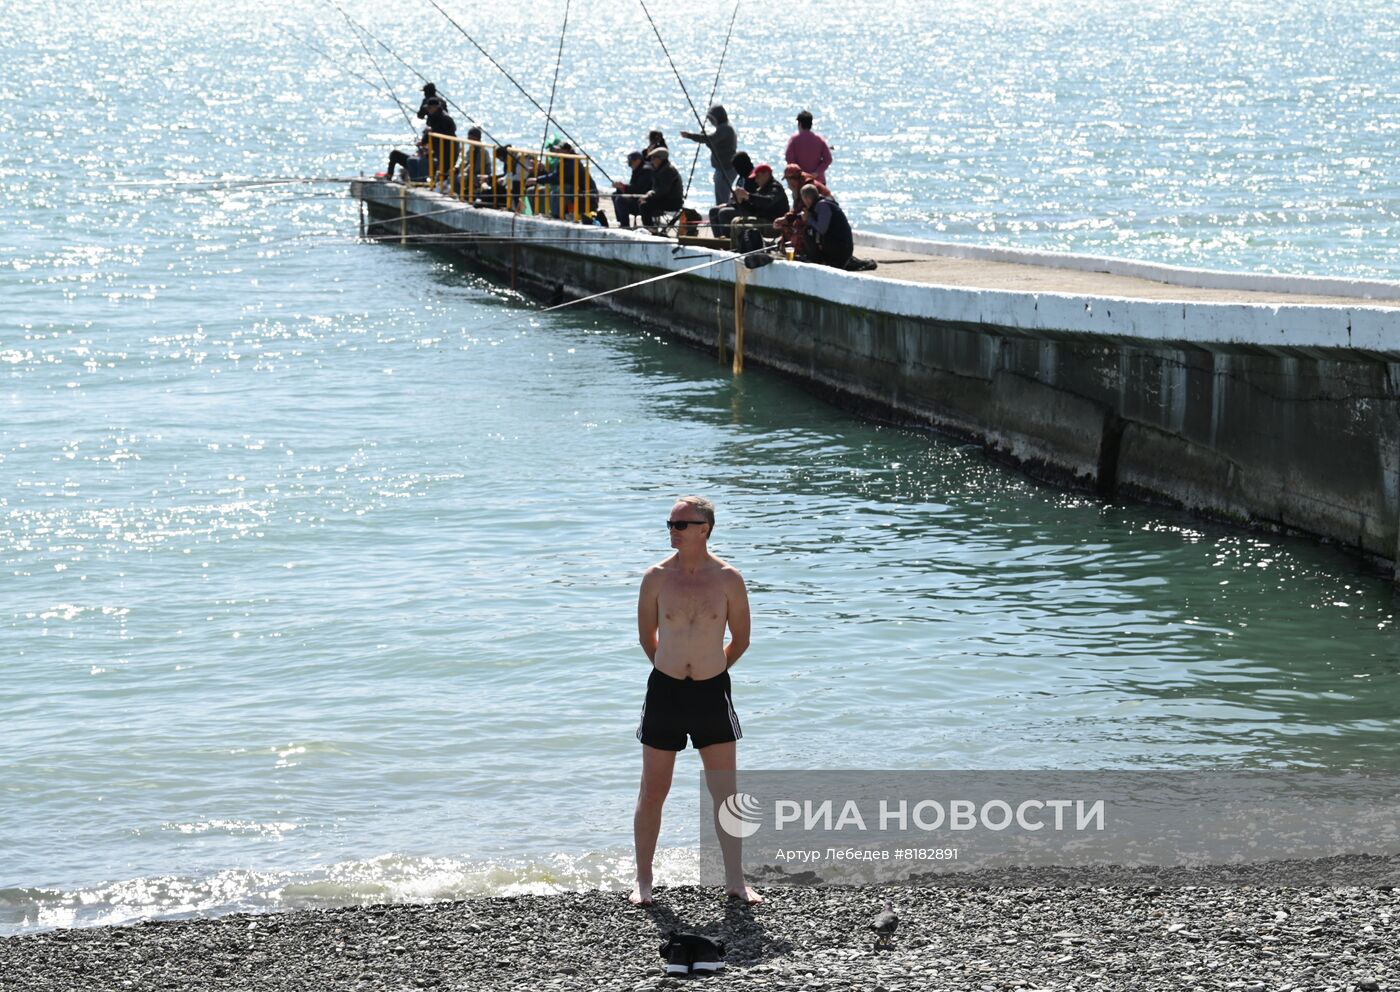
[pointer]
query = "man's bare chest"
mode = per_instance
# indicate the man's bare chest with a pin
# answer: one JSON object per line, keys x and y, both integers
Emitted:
{"x": 690, "y": 603}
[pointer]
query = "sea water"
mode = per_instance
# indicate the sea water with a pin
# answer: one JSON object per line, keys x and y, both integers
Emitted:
{"x": 318, "y": 557}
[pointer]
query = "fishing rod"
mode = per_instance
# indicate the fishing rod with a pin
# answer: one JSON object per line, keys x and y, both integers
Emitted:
{"x": 452, "y": 103}
{"x": 328, "y": 57}
{"x": 408, "y": 118}
{"x": 673, "y": 65}
{"x": 713, "y": 90}
{"x": 578, "y": 146}
{"x": 728, "y": 257}
{"x": 234, "y": 183}
{"x": 554, "y": 86}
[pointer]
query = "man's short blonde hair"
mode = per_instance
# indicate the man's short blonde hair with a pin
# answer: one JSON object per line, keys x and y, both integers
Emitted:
{"x": 703, "y": 507}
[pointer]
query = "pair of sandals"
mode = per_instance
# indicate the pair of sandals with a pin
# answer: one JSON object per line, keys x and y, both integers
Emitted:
{"x": 692, "y": 952}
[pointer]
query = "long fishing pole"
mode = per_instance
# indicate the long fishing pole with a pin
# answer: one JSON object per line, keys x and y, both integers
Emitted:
{"x": 452, "y": 103}
{"x": 578, "y": 146}
{"x": 408, "y": 118}
{"x": 554, "y": 86}
{"x": 673, "y": 65}
{"x": 728, "y": 257}
{"x": 328, "y": 57}
{"x": 713, "y": 90}
{"x": 225, "y": 183}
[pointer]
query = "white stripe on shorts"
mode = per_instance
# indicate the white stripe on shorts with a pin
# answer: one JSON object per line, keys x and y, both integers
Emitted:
{"x": 733, "y": 717}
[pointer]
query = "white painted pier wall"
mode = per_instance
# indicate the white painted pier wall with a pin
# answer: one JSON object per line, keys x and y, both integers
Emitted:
{"x": 1275, "y": 415}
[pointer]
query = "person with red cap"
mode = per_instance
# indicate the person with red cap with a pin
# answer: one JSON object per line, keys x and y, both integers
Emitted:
{"x": 791, "y": 227}
{"x": 756, "y": 197}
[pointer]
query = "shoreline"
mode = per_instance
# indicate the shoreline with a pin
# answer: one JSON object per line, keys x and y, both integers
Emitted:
{"x": 952, "y": 935}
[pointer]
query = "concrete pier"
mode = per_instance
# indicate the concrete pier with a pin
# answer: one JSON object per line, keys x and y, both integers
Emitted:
{"x": 1266, "y": 401}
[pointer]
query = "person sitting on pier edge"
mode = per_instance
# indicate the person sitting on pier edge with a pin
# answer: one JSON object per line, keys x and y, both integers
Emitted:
{"x": 519, "y": 168}
{"x": 808, "y": 150}
{"x": 415, "y": 167}
{"x": 667, "y": 191}
{"x": 759, "y": 200}
{"x": 556, "y": 187}
{"x": 742, "y": 165}
{"x": 827, "y": 237}
{"x": 429, "y": 93}
{"x": 655, "y": 140}
{"x": 723, "y": 143}
{"x": 792, "y": 225}
{"x": 477, "y": 160}
{"x": 627, "y": 199}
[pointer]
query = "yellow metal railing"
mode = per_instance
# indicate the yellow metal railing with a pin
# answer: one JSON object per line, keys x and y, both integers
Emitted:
{"x": 479, "y": 172}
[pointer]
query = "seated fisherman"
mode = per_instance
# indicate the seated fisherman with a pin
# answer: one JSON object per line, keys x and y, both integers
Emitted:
{"x": 568, "y": 177}
{"x": 792, "y": 225}
{"x": 827, "y": 235}
{"x": 742, "y": 165}
{"x": 414, "y": 167}
{"x": 667, "y": 191}
{"x": 758, "y": 200}
{"x": 627, "y": 199}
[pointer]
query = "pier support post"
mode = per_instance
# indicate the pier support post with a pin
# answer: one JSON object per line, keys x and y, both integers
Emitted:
{"x": 740, "y": 275}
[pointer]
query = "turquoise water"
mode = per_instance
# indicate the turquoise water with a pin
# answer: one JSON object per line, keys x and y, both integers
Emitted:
{"x": 319, "y": 557}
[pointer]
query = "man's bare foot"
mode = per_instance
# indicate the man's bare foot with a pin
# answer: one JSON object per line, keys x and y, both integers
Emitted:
{"x": 744, "y": 892}
{"x": 641, "y": 895}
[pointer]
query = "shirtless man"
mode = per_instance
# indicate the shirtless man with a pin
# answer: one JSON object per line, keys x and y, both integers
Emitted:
{"x": 684, "y": 605}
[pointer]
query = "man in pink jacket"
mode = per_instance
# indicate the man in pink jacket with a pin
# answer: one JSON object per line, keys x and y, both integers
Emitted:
{"x": 806, "y": 148}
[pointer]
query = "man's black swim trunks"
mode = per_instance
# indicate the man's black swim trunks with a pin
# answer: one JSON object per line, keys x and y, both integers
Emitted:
{"x": 676, "y": 707}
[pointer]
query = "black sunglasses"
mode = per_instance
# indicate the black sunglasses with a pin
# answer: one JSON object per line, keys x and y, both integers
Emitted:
{"x": 682, "y": 524}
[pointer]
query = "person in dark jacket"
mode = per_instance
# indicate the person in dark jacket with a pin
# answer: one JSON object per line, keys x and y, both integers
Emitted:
{"x": 723, "y": 143}
{"x": 444, "y": 152}
{"x": 569, "y": 182}
{"x": 827, "y": 237}
{"x": 429, "y": 93}
{"x": 655, "y": 140}
{"x": 758, "y": 198}
{"x": 667, "y": 191}
{"x": 627, "y": 199}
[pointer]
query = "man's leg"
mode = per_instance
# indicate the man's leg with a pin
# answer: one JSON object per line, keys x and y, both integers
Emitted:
{"x": 720, "y": 762}
{"x": 657, "y": 766}
{"x": 622, "y": 208}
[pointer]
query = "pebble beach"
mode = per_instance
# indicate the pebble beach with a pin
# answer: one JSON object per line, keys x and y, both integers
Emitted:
{"x": 950, "y": 937}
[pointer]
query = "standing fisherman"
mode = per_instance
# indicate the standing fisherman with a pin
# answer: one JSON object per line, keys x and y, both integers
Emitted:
{"x": 724, "y": 145}
{"x": 429, "y": 93}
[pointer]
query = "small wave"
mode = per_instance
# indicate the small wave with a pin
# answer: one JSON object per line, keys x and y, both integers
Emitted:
{"x": 388, "y": 878}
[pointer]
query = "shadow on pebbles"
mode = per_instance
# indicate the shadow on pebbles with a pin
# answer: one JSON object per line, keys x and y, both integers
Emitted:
{"x": 811, "y": 938}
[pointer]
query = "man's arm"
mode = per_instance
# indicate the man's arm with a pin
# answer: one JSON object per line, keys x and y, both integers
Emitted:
{"x": 648, "y": 613}
{"x": 738, "y": 597}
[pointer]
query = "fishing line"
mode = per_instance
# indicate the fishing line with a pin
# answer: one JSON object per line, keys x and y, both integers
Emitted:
{"x": 452, "y": 103}
{"x": 578, "y": 146}
{"x": 328, "y": 57}
{"x": 216, "y": 185}
{"x": 713, "y": 90}
{"x": 408, "y": 118}
{"x": 553, "y": 88}
{"x": 730, "y": 257}
{"x": 673, "y": 65}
